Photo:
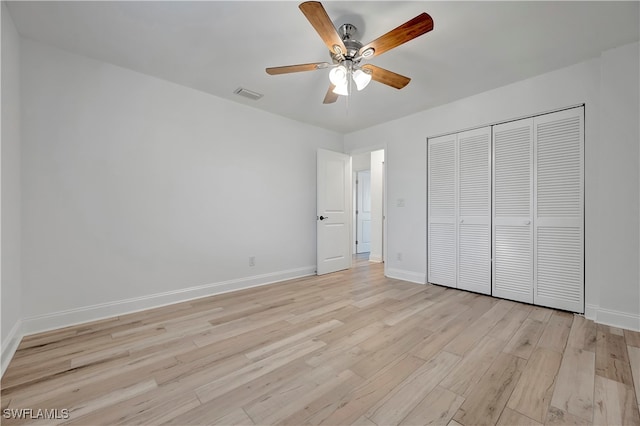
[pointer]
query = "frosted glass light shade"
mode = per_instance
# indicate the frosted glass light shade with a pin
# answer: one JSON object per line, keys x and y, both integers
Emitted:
{"x": 338, "y": 75}
{"x": 341, "y": 89}
{"x": 361, "y": 78}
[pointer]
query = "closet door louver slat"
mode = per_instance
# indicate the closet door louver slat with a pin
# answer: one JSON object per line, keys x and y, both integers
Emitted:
{"x": 474, "y": 263}
{"x": 442, "y": 267}
{"x": 558, "y": 222}
{"x": 512, "y": 256}
{"x": 513, "y": 169}
{"x": 474, "y": 210}
{"x": 442, "y": 211}
{"x": 512, "y": 207}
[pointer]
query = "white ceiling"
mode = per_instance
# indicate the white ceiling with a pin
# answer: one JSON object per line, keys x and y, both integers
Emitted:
{"x": 219, "y": 46}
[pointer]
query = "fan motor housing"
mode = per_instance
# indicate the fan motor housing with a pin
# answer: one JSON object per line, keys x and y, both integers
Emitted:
{"x": 347, "y": 32}
{"x": 353, "y": 47}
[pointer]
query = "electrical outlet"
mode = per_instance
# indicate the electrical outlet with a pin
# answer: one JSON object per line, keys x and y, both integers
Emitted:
{"x": 252, "y": 261}
{"x": 399, "y": 256}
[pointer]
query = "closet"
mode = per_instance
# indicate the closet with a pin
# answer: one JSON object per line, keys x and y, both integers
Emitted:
{"x": 459, "y": 210}
{"x": 506, "y": 210}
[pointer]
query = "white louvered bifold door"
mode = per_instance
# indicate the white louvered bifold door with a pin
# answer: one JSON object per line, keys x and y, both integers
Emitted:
{"x": 513, "y": 210}
{"x": 474, "y": 210}
{"x": 442, "y": 211}
{"x": 559, "y": 212}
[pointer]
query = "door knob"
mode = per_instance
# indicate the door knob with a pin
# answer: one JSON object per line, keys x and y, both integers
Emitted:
{"x": 324, "y": 217}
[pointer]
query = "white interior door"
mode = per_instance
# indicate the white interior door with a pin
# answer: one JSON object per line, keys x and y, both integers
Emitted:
{"x": 363, "y": 212}
{"x": 474, "y": 210}
{"x": 333, "y": 211}
{"x": 559, "y": 206}
{"x": 513, "y": 210}
{"x": 441, "y": 216}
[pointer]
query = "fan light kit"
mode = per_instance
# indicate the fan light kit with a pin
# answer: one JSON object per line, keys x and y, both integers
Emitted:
{"x": 347, "y": 52}
{"x": 339, "y": 77}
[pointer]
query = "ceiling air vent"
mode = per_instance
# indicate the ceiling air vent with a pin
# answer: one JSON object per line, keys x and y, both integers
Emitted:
{"x": 248, "y": 93}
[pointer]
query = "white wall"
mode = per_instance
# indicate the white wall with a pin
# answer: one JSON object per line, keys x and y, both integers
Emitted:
{"x": 377, "y": 160}
{"x": 361, "y": 162}
{"x": 136, "y": 191}
{"x": 577, "y": 84}
{"x": 618, "y": 154}
{"x": 10, "y": 291}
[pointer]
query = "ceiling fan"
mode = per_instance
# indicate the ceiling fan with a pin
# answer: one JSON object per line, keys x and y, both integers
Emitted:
{"x": 347, "y": 52}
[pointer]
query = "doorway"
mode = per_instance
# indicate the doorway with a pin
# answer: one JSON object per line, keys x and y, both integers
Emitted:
{"x": 368, "y": 201}
{"x": 363, "y": 211}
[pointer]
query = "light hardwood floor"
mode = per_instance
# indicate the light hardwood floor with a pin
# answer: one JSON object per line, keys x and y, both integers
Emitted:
{"x": 351, "y": 347}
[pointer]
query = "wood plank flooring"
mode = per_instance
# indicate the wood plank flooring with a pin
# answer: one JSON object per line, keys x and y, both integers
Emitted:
{"x": 351, "y": 347}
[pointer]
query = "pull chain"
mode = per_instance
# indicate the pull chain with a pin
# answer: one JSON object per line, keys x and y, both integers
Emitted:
{"x": 348, "y": 90}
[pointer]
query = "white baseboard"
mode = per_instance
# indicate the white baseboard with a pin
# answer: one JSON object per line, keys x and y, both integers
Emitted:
{"x": 375, "y": 259}
{"x": 613, "y": 318}
{"x": 55, "y": 320}
{"x": 591, "y": 312}
{"x": 10, "y": 345}
{"x": 399, "y": 274}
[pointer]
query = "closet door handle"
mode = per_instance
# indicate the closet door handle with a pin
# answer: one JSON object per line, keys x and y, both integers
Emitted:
{"x": 527, "y": 222}
{"x": 461, "y": 220}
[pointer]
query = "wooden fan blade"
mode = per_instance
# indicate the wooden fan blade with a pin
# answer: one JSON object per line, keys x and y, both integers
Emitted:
{"x": 330, "y": 97}
{"x": 317, "y": 16}
{"x": 417, "y": 26}
{"x": 387, "y": 77}
{"x": 296, "y": 68}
